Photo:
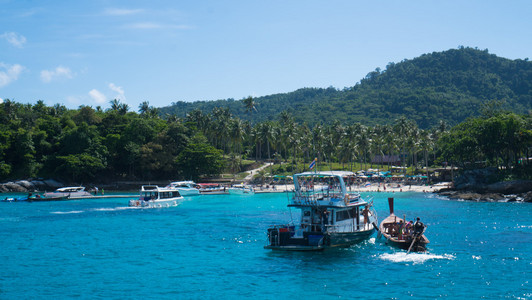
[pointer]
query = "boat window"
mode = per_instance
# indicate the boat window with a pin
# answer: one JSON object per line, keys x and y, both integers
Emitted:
{"x": 149, "y": 195}
{"x": 176, "y": 194}
{"x": 345, "y": 214}
{"x": 342, "y": 215}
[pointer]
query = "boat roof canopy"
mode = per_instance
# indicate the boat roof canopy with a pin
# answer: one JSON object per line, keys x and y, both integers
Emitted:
{"x": 71, "y": 189}
{"x": 183, "y": 182}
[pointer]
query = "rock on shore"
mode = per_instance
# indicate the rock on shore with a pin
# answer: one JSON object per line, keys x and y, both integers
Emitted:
{"x": 31, "y": 185}
{"x": 508, "y": 191}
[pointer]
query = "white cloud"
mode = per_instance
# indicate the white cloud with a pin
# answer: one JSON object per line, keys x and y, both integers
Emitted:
{"x": 58, "y": 73}
{"x": 14, "y": 39}
{"x": 144, "y": 25}
{"x": 151, "y": 25}
{"x": 121, "y": 11}
{"x": 1, "y": 100}
{"x": 9, "y": 73}
{"x": 119, "y": 90}
{"x": 97, "y": 96}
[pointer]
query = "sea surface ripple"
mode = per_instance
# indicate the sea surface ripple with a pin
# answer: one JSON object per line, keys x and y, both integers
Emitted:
{"x": 211, "y": 247}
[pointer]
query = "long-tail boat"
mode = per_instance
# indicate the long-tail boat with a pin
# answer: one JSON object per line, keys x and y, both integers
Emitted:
{"x": 398, "y": 233}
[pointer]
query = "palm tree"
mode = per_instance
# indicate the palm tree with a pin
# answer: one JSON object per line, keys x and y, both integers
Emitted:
{"x": 249, "y": 103}
{"x": 236, "y": 133}
{"x": 318, "y": 138}
{"x": 144, "y": 107}
{"x": 115, "y": 104}
{"x": 426, "y": 144}
{"x": 401, "y": 129}
{"x": 123, "y": 109}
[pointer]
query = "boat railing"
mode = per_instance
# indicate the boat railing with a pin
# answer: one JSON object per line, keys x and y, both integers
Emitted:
{"x": 310, "y": 197}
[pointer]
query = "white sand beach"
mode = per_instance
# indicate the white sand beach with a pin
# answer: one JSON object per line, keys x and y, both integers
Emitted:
{"x": 372, "y": 187}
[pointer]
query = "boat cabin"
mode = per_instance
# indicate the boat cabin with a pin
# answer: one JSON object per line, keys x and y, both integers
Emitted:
{"x": 153, "y": 192}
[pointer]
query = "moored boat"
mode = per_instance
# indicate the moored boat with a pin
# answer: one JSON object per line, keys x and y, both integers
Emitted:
{"x": 65, "y": 193}
{"x": 401, "y": 234}
{"x": 241, "y": 189}
{"x": 212, "y": 189}
{"x": 152, "y": 196}
{"x": 330, "y": 216}
{"x": 14, "y": 199}
{"x": 185, "y": 188}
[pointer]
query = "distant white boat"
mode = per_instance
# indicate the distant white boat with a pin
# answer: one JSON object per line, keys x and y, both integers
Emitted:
{"x": 185, "y": 188}
{"x": 241, "y": 189}
{"x": 67, "y": 193}
{"x": 212, "y": 189}
{"x": 152, "y": 196}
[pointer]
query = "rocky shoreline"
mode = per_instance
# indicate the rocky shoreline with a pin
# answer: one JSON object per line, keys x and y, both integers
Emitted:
{"x": 507, "y": 191}
{"x": 48, "y": 185}
{"x": 30, "y": 185}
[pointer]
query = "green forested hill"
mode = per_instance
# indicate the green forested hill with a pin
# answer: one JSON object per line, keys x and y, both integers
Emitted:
{"x": 450, "y": 86}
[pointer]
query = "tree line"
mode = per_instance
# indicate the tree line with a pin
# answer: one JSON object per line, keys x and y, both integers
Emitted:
{"x": 86, "y": 144}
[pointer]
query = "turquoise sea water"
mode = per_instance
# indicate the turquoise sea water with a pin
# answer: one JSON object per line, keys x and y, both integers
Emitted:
{"x": 211, "y": 247}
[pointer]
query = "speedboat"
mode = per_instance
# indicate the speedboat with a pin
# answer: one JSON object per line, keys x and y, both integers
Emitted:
{"x": 152, "y": 196}
{"x": 241, "y": 189}
{"x": 211, "y": 189}
{"x": 401, "y": 234}
{"x": 330, "y": 216}
{"x": 185, "y": 188}
{"x": 65, "y": 193}
{"x": 14, "y": 199}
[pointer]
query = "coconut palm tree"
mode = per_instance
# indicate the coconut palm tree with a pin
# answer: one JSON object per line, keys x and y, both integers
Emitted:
{"x": 144, "y": 107}
{"x": 249, "y": 103}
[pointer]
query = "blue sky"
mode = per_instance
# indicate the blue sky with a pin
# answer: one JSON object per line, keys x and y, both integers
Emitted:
{"x": 90, "y": 52}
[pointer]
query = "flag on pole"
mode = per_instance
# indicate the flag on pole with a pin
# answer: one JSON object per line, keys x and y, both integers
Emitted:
{"x": 313, "y": 163}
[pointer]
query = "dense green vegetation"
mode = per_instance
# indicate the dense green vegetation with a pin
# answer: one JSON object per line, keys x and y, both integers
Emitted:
{"x": 87, "y": 144}
{"x": 92, "y": 145}
{"x": 403, "y": 112}
{"x": 449, "y": 86}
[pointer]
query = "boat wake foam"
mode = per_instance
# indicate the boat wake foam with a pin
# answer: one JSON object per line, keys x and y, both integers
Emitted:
{"x": 96, "y": 209}
{"x": 67, "y": 212}
{"x": 415, "y": 258}
{"x": 114, "y": 208}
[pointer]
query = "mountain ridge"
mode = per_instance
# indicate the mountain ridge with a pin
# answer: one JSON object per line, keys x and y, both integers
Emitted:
{"x": 451, "y": 85}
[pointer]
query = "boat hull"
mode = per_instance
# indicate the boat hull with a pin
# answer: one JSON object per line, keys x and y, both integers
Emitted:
{"x": 188, "y": 191}
{"x": 347, "y": 239}
{"x": 214, "y": 192}
{"x": 314, "y": 241}
{"x": 57, "y": 198}
{"x": 155, "y": 203}
{"x": 419, "y": 245}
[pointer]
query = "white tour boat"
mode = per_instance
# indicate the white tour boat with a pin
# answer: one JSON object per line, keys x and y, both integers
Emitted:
{"x": 152, "y": 196}
{"x": 330, "y": 216}
{"x": 241, "y": 189}
{"x": 185, "y": 188}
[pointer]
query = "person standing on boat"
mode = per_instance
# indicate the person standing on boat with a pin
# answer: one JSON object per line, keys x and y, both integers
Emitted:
{"x": 400, "y": 231}
{"x": 418, "y": 227}
{"x": 325, "y": 219}
{"x": 365, "y": 213}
